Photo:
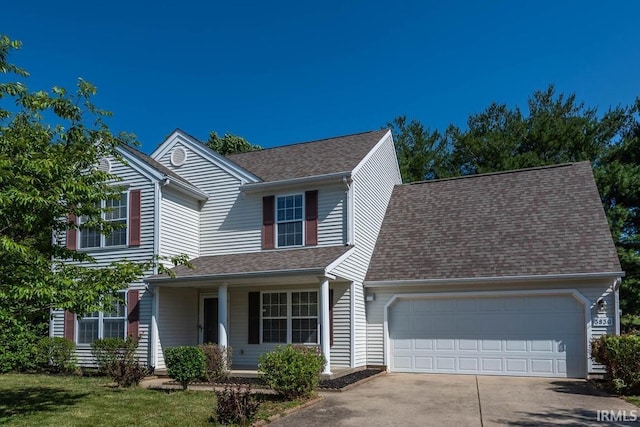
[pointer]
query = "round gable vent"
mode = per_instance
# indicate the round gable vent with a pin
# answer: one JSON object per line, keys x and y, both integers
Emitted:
{"x": 178, "y": 156}
{"x": 104, "y": 165}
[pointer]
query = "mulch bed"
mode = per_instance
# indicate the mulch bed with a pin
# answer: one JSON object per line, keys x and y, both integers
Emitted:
{"x": 334, "y": 384}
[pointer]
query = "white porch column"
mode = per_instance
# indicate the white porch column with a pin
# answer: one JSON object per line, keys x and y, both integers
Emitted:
{"x": 222, "y": 315}
{"x": 325, "y": 343}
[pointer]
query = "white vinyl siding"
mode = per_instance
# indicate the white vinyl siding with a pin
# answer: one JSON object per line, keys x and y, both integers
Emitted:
{"x": 360, "y": 326}
{"x": 179, "y": 225}
{"x": 372, "y": 187}
{"x": 341, "y": 348}
{"x": 229, "y": 222}
{"x": 331, "y": 216}
{"x": 592, "y": 290}
{"x": 143, "y": 253}
{"x": 177, "y": 319}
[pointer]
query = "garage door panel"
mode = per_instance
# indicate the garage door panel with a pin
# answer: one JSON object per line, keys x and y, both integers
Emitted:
{"x": 544, "y": 336}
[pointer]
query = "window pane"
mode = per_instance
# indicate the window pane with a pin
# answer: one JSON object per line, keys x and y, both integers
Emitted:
{"x": 304, "y": 331}
{"x": 113, "y": 328}
{"x": 290, "y": 234}
{"x": 118, "y": 236}
{"x": 274, "y": 330}
{"x": 89, "y": 238}
{"x": 87, "y": 331}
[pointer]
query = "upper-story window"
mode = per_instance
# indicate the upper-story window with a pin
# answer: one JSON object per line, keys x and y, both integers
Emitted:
{"x": 117, "y": 213}
{"x": 289, "y": 219}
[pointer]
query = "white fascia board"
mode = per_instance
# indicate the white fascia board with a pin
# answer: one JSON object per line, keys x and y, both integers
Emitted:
{"x": 497, "y": 279}
{"x": 221, "y": 161}
{"x": 185, "y": 188}
{"x": 371, "y": 152}
{"x": 158, "y": 281}
{"x": 331, "y": 178}
{"x": 340, "y": 259}
{"x": 140, "y": 166}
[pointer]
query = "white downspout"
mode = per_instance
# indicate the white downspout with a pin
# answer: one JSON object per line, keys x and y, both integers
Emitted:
{"x": 348, "y": 194}
{"x": 616, "y": 299}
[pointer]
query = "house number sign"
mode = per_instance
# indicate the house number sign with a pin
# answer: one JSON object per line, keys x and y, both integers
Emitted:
{"x": 603, "y": 321}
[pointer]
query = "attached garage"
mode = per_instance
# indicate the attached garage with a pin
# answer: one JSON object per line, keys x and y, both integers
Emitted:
{"x": 488, "y": 333}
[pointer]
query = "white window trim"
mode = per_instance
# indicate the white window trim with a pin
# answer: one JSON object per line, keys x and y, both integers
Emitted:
{"x": 102, "y": 236}
{"x": 290, "y": 317}
{"x": 101, "y": 319}
{"x": 277, "y": 223}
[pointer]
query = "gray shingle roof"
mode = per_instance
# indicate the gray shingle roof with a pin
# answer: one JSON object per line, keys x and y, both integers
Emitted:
{"x": 266, "y": 261}
{"x": 326, "y": 156}
{"x": 536, "y": 221}
{"x": 154, "y": 164}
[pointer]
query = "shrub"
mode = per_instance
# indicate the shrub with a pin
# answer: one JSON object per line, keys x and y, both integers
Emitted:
{"x": 127, "y": 372}
{"x": 235, "y": 406}
{"x": 185, "y": 364}
{"x": 217, "y": 360}
{"x": 18, "y": 342}
{"x": 115, "y": 357}
{"x": 292, "y": 371}
{"x": 621, "y": 356}
{"x": 57, "y": 354}
{"x": 109, "y": 350}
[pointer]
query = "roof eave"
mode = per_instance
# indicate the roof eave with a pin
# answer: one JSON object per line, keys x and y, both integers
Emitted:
{"x": 320, "y": 271}
{"x": 185, "y": 188}
{"x": 331, "y": 178}
{"x": 496, "y": 279}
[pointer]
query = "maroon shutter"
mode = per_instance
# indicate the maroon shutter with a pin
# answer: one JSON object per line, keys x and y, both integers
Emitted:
{"x": 254, "y": 317}
{"x": 330, "y": 317}
{"x": 69, "y": 325}
{"x": 268, "y": 220}
{"x": 133, "y": 313}
{"x": 134, "y": 218}
{"x": 72, "y": 233}
{"x": 311, "y": 217}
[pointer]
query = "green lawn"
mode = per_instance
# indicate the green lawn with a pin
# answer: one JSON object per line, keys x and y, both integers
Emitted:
{"x": 42, "y": 400}
{"x": 633, "y": 399}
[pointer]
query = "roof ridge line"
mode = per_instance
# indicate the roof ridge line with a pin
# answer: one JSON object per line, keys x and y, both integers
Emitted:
{"x": 480, "y": 175}
{"x": 308, "y": 142}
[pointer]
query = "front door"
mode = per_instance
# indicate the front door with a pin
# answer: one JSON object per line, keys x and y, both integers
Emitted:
{"x": 210, "y": 320}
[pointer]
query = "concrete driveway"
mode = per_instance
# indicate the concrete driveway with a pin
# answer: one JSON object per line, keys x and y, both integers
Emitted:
{"x": 464, "y": 400}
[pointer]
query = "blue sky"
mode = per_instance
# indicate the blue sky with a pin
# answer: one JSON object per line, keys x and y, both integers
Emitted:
{"x": 289, "y": 71}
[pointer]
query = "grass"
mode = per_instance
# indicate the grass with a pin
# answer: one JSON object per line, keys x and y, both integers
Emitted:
{"x": 27, "y": 400}
{"x": 633, "y": 399}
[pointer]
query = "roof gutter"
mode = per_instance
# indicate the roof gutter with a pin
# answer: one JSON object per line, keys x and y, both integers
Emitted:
{"x": 320, "y": 271}
{"x": 185, "y": 188}
{"x": 338, "y": 177}
{"x": 496, "y": 279}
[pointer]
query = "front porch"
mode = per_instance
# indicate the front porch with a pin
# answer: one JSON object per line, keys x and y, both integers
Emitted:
{"x": 253, "y": 319}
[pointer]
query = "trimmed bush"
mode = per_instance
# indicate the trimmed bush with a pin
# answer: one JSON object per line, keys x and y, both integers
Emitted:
{"x": 218, "y": 360}
{"x": 292, "y": 371}
{"x": 621, "y": 356}
{"x": 185, "y": 364}
{"x": 107, "y": 351}
{"x": 235, "y": 406}
{"x": 116, "y": 358}
{"x": 57, "y": 354}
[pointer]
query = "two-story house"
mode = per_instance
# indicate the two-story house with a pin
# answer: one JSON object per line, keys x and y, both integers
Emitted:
{"x": 319, "y": 243}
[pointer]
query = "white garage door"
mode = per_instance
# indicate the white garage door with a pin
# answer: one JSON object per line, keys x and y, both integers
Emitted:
{"x": 516, "y": 335}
